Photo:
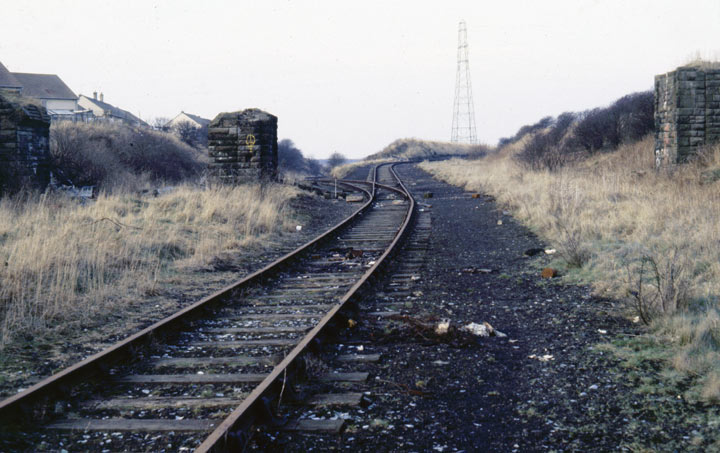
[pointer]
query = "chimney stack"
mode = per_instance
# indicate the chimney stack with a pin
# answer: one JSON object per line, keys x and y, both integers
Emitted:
{"x": 94, "y": 94}
{"x": 102, "y": 97}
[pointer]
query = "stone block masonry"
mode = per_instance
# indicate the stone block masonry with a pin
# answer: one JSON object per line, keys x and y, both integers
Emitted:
{"x": 24, "y": 144}
{"x": 687, "y": 112}
{"x": 243, "y": 147}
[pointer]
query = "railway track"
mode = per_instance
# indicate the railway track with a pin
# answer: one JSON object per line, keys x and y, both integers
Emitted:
{"x": 204, "y": 377}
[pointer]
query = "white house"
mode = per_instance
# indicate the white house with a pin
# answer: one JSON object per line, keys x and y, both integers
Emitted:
{"x": 108, "y": 112}
{"x": 55, "y": 96}
{"x": 194, "y": 120}
{"x": 49, "y": 89}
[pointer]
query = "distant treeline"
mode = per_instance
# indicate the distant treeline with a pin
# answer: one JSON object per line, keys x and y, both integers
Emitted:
{"x": 551, "y": 142}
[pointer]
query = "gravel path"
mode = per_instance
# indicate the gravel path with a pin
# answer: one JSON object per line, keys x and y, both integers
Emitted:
{"x": 545, "y": 386}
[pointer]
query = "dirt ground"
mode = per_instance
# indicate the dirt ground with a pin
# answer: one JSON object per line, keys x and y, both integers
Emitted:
{"x": 547, "y": 385}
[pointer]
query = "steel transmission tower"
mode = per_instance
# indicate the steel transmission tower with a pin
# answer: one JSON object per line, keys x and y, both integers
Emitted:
{"x": 463, "y": 125}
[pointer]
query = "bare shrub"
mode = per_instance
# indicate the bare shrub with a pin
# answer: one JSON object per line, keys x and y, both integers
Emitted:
{"x": 113, "y": 155}
{"x": 659, "y": 285}
{"x": 566, "y": 203}
{"x": 336, "y": 159}
{"x": 541, "y": 154}
{"x": 627, "y": 119}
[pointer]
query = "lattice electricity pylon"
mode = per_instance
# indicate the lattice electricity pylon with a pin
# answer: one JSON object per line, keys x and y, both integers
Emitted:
{"x": 463, "y": 125}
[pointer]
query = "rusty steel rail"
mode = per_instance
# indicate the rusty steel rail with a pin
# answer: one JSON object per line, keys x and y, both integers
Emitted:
{"x": 22, "y": 407}
{"x": 229, "y": 435}
{"x": 235, "y": 429}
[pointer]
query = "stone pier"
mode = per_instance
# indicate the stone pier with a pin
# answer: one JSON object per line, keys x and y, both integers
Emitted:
{"x": 243, "y": 147}
{"x": 687, "y": 112}
{"x": 24, "y": 144}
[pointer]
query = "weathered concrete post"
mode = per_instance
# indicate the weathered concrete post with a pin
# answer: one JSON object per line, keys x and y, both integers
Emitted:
{"x": 24, "y": 144}
{"x": 687, "y": 112}
{"x": 243, "y": 147}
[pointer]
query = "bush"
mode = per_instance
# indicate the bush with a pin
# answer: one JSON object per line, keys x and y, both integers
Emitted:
{"x": 549, "y": 149}
{"x": 553, "y": 140}
{"x": 112, "y": 155}
{"x": 335, "y": 160}
{"x": 290, "y": 158}
{"x": 627, "y": 119}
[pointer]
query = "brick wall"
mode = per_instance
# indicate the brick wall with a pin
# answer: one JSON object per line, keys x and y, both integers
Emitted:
{"x": 243, "y": 147}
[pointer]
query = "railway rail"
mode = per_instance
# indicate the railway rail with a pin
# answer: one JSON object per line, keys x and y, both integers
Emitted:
{"x": 205, "y": 376}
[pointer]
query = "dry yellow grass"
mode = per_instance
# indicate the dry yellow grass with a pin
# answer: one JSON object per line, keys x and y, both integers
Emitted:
{"x": 612, "y": 215}
{"x": 61, "y": 261}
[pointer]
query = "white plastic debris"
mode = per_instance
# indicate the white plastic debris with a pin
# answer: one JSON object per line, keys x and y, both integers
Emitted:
{"x": 602, "y": 331}
{"x": 298, "y": 228}
{"x": 550, "y": 251}
{"x": 542, "y": 358}
{"x": 481, "y": 330}
{"x": 442, "y": 327}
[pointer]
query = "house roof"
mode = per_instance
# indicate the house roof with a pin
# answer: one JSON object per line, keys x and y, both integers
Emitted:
{"x": 114, "y": 111}
{"x": 7, "y": 80}
{"x": 181, "y": 118}
{"x": 198, "y": 119}
{"x": 43, "y": 86}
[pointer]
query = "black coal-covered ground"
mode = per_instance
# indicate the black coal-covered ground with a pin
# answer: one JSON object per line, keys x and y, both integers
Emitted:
{"x": 543, "y": 387}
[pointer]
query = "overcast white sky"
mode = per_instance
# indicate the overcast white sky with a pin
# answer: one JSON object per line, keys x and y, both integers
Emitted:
{"x": 354, "y": 76}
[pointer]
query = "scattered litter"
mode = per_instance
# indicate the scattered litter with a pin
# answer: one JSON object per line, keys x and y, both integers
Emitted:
{"x": 298, "y": 228}
{"x": 354, "y": 198}
{"x": 593, "y": 387}
{"x": 549, "y": 272}
{"x": 542, "y": 358}
{"x": 533, "y": 251}
{"x": 398, "y": 202}
{"x": 476, "y": 270}
{"x": 602, "y": 331}
{"x": 499, "y": 222}
{"x": 353, "y": 253}
{"x": 440, "y": 363}
{"x": 550, "y": 251}
{"x": 482, "y": 330}
{"x": 475, "y": 195}
{"x": 442, "y": 327}
{"x": 636, "y": 319}
{"x": 351, "y": 323}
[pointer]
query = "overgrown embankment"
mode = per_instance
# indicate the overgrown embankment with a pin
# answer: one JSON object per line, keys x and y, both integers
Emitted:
{"x": 646, "y": 238}
{"x": 115, "y": 156}
{"x": 64, "y": 263}
{"x": 414, "y": 149}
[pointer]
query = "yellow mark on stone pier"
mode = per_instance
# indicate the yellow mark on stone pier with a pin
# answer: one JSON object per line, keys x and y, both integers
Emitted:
{"x": 250, "y": 141}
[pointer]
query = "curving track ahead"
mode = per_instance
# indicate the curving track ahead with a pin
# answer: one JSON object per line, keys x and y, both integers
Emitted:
{"x": 219, "y": 365}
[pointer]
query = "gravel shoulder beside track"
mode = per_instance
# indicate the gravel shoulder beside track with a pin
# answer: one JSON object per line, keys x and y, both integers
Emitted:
{"x": 548, "y": 385}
